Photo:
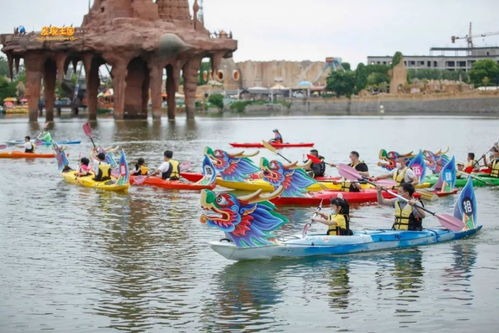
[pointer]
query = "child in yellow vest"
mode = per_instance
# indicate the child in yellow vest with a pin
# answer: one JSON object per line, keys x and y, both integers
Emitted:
{"x": 339, "y": 221}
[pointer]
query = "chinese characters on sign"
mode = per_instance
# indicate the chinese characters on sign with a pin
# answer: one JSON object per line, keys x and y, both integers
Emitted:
{"x": 57, "y": 33}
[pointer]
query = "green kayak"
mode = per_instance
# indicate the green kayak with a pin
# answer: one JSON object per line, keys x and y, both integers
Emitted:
{"x": 478, "y": 181}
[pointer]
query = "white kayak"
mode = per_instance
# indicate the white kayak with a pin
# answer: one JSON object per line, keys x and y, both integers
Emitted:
{"x": 323, "y": 245}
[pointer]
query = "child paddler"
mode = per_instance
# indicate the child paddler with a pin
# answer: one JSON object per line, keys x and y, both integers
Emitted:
{"x": 141, "y": 168}
{"x": 29, "y": 147}
{"x": 407, "y": 216}
{"x": 471, "y": 164}
{"x": 85, "y": 168}
{"x": 339, "y": 221}
{"x": 402, "y": 174}
{"x": 103, "y": 169}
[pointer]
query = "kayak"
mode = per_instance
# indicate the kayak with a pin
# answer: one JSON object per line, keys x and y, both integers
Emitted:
{"x": 88, "y": 181}
{"x": 325, "y": 197}
{"x": 478, "y": 180}
{"x": 259, "y": 184}
{"x": 323, "y": 245}
{"x": 39, "y": 142}
{"x": 170, "y": 184}
{"x": 275, "y": 145}
{"x": 444, "y": 194}
{"x": 191, "y": 176}
{"x": 21, "y": 154}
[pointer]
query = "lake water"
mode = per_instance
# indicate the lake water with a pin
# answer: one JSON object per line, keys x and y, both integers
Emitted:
{"x": 75, "y": 259}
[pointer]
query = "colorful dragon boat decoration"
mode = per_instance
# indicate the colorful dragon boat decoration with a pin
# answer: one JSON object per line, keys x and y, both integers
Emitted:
{"x": 247, "y": 221}
{"x": 388, "y": 159}
{"x": 292, "y": 177}
{"x": 436, "y": 161}
{"x": 232, "y": 167}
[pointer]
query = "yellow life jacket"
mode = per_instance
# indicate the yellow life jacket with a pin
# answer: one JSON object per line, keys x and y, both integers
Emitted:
{"x": 405, "y": 218}
{"x": 144, "y": 170}
{"x": 399, "y": 175}
{"x": 105, "y": 171}
{"x": 494, "y": 172}
{"x": 341, "y": 226}
{"x": 173, "y": 171}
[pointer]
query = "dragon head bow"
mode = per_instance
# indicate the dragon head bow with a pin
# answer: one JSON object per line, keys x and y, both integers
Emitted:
{"x": 232, "y": 167}
{"x": 388, "y": 159}
{"x": 246, "y": 220}
{"x": 291, "y": 177}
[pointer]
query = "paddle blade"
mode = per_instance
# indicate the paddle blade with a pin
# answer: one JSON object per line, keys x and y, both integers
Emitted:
{"x": 87, "y": 129}
{"x": 209, "y": 172}
{"x": 314, "y": 159}
{"x": 427, "y": 195}
{"x": 3, "y": 146}
{"x": 450, "y": 222}
{"x": 62, "y": 160}
{"x": 387, "y": 183}
{"x": 124, "y": 171}
{"x": 268, "y": 146}
{"x": 418, "y": 165}
{"x": 447, "y": 179}
{"x": 348, "y": 172}
{"x": 139, "y": 180}
{"x": 465, "y": 209}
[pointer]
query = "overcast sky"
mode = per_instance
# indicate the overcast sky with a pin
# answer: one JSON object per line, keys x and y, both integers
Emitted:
{"x": 309, "y": 29}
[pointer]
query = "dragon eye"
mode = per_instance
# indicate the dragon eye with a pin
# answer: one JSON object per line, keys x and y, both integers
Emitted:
{"x": 222, "y": 201}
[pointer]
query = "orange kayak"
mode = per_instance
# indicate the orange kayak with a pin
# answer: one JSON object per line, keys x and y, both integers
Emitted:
{"x": 21, "y": 154}
{"x": 170, "y": 184}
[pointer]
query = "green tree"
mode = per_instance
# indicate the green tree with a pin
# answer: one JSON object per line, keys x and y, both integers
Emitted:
{"x": 7, "y": 88}
{"x": 486, "y": 68}
{"x": 397, "y": 57}
{"x": 360, "y": 77}
{"x": 346, "y": 66}
{"x": 217, "y": 100}
{"x": 376, "y": 78}
{"x": 342, "y": 83}
{"x": 4, "y": 67}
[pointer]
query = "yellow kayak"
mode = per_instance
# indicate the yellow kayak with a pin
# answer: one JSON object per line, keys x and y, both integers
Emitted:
{"x": 88, "y": 181}
{"x": 259, "y": 184}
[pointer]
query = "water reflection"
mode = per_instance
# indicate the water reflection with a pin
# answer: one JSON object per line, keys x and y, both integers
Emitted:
{"x": 457, "y": 277}
{"x": 339, "y": 286}
{"x": 245, "y": 294}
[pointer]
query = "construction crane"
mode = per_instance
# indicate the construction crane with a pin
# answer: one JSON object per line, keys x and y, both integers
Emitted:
{"x": 469, "y": 37}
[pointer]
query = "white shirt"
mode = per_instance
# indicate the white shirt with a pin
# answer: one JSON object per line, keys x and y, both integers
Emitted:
{"x": 28, "y": 145}
{"x": 409, "y": 177}
{"x": 164, "y": 167}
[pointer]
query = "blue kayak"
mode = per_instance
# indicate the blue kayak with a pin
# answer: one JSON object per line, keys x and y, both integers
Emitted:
{"x": 38, "y": 142}
{"x": 322, "y": 245}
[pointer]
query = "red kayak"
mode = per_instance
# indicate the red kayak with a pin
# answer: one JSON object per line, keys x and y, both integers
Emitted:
{"x": 21, "y": 154}
{"x": 170, "y": 184}
{"x": 191, "y": 176}
{"x": 315, "y": 198}
{"x": 275, "y": 145}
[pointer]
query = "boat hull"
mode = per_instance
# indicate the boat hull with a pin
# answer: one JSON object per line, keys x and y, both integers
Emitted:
{"x": 275, "y": 145}
{"x": 110, "y": 185}
{"x": 21, "y": 154}
{"x": 322, "y": 245}
{"x": 170, "y": 184}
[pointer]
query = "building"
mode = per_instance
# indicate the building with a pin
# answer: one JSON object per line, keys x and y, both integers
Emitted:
{"x": 448, "y": 58}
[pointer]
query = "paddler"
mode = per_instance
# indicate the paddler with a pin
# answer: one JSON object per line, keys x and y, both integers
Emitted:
{"x": 46, "y": 137}
{"x": 494, "y": 161}
{"x": 471, "y": 164}
{"x": 85, "y": 168}
{"x": 141, "y": 168}
{"x": 358, "y": 165}
{"x": 339, "y": 221}
{"x": 170, "y": 168}
{"x": 402, "y": 174}
{"x": 103, "y": 169}
{"x": 407, "y": 215}
{"x": 318, "y": 166}
{"x": 29, "y": 147}
{"x": 277, "y": 137}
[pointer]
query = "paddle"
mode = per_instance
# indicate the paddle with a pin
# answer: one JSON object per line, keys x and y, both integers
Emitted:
{"x": 88, "y": 132}
{"x": 307, "y": 226}
{"x": 271, "y": 148}
{"x": 446, "y": 220}
{"x": 3, "y": 146}
{"x": 475, "y": 177}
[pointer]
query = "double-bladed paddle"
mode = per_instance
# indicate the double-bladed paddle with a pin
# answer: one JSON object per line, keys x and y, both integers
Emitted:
{"x": 273, "y": 149}
{"x": 446, "y": 220}
{"x": 475, "y": 177}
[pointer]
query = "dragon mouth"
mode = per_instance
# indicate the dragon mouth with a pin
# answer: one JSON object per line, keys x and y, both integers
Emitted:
{"x": 270, "y": 175}
{"x": 212, "y": 213}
